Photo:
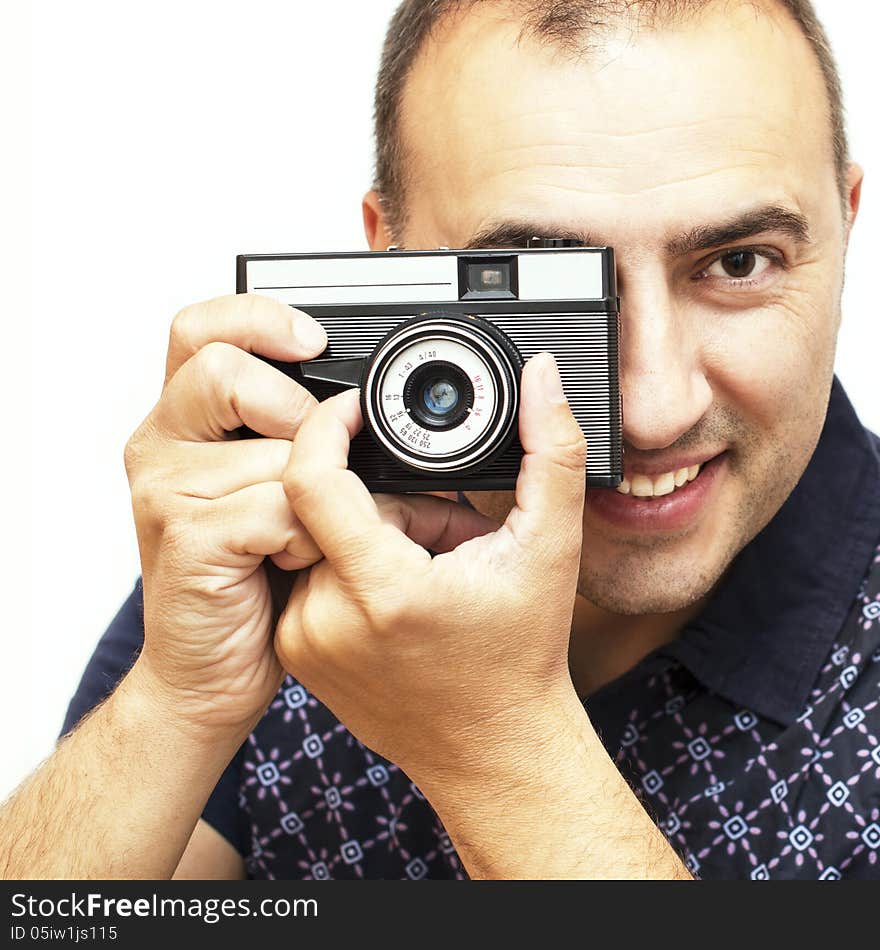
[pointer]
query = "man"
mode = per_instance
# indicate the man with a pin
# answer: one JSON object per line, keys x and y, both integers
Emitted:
{"x": 700, "y": 645}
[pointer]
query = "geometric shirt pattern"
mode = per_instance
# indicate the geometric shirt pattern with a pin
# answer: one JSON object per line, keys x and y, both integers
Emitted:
{"x": 736, "y": 795}
{"x": 752, "y": 739}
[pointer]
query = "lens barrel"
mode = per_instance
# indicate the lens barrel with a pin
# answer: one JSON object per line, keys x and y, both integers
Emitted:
{"x": 440, "y": 393}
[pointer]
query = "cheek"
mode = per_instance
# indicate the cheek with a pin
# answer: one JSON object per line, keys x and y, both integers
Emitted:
{"x": 771, "y": 370}
{"x": 776, "y": 359}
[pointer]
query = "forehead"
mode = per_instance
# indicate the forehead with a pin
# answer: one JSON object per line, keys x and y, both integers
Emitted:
{"x": 652, "y": 123}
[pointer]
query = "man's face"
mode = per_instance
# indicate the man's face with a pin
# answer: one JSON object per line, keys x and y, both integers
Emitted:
{"x": 702, "y": 154}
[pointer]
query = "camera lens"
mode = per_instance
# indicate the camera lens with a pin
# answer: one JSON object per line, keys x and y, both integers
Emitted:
{"x": 438, "y": 395}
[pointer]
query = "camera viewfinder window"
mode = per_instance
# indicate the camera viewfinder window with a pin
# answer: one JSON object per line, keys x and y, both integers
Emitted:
{"x": 488, "y": 278}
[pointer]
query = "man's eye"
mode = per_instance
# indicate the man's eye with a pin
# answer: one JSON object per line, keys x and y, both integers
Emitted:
{"x": 740, "y": 265}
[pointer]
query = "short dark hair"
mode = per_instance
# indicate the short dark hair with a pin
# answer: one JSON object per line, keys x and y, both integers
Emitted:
{"x": 568, "y": 25}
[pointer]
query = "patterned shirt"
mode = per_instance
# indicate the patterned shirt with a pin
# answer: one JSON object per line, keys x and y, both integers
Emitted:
{"x": 753, "y": 740}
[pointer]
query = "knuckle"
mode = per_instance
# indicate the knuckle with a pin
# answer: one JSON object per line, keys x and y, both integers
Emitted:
{"x": 150, "y": 504}
{"x": 300, "y": 404}
{"x": 302, "y": 401}
{"x": 138, "y": 448}
{"x": 185, "y": 326}
{"x": 253, "y": 306}
{"x": 282, "y": 642}
{"x": 217, "y": 367}
{"x": 301, "y": 547}
{"x": 387, "y": 614}
{"x": 299, "y": 481}
{"x": 291, "y": 644}
{"x": 217, "y": 360}
{"x": 253, "y": 313}
{"x": 311, "y": 626}
{"x": 382, "y": 615}
{"x": 301, "y": 629}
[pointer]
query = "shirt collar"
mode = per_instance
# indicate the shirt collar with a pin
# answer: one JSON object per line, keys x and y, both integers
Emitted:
{"x": 765, "y": 634}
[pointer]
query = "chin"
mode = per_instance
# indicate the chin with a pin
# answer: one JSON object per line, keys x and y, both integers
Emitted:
{"x": 646, "y": 587}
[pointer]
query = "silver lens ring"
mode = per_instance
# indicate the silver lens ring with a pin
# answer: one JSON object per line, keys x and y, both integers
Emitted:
{"x": 488, "y": 361}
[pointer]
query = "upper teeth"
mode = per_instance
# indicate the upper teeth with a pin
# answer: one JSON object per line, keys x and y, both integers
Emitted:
{"x": 644, "y": 486}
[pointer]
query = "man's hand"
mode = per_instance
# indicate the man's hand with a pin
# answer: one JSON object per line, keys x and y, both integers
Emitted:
{"x": 209, "y": 508}
{"x": 456, "y": 667}
{"x": 134, "y": 776}
{"x": 437, "y": 663}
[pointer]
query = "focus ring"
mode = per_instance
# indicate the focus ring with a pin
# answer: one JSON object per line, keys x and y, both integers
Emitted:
{"x": 494, "y": 365}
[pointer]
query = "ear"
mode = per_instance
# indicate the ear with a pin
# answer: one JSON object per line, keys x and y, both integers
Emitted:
{"x": 855, "y": 175}
{"x": 375, "y": 222}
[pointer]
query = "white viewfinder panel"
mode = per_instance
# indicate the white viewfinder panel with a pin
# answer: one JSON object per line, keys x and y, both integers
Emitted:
{"x": 343, "y": 280}
{"x": 383, "y": 278}
{"x": 566, "y": 276}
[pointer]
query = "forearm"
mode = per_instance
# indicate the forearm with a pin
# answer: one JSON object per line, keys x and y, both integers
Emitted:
{"x": 119, "y": 797}
{"x": 556, "y": 808}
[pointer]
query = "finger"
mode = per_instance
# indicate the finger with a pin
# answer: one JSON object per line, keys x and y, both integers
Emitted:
{"x": 547, "y": 517}
{"x": 251, "y": 322}
{"x": 436, "y": 524}
{"x": 222, "y": 388}
{"x": 439, "y": 527}
{"x": 450, "y": 495}
{"x": 288, "y": 630}
{"x": 331, "y": 501}
{"x": 295, "y": 562}
{"x": 291, "y": 645}
{"x": 213, "y": 469}
{"x": 256, "y": 520}
{"x": 303, "y": 641}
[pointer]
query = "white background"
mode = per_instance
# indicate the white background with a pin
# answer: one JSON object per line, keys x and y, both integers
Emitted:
{"x": 146, "y": 145}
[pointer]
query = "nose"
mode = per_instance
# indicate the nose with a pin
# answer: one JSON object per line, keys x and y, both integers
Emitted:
{"x": 664, "y": 386}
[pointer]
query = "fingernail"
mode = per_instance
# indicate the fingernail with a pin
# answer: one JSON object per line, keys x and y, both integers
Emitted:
{"x": 309, "y": 332}
{"x": 550, "y": 380}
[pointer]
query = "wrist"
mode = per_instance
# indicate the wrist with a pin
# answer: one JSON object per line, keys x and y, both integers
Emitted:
{"x": 147, "y": 699}
{"x": 130, "y": 781}
{"x": 520, "y": 751}
{"x": 552, "y": 778}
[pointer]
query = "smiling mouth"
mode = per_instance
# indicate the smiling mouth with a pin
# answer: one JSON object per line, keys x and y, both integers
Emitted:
{"x": 655, "y": 503}
{"x": 661, "y": 485}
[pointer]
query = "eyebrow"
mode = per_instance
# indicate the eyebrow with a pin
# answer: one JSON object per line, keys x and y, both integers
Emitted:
{"x": 763, "y": 220}
{"x": 519, "y": 233}
{"x": 769, "y": 219}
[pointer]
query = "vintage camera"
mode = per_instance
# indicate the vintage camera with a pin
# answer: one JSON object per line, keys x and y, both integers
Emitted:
{"x": 436, "y": 342}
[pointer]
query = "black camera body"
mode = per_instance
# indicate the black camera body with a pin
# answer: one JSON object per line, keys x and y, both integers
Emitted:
{"x": 436, "y": 341}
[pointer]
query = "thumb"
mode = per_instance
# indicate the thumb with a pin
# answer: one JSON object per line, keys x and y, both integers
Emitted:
{"x": 547, "y": 518}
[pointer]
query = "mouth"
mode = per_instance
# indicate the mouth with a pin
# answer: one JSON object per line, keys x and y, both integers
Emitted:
{"x": 666, "y": 501}
{"x": 658, "y": 486}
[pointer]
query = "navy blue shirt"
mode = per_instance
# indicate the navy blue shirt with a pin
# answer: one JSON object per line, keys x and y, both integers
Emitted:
{"x": 753, "y": 740}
